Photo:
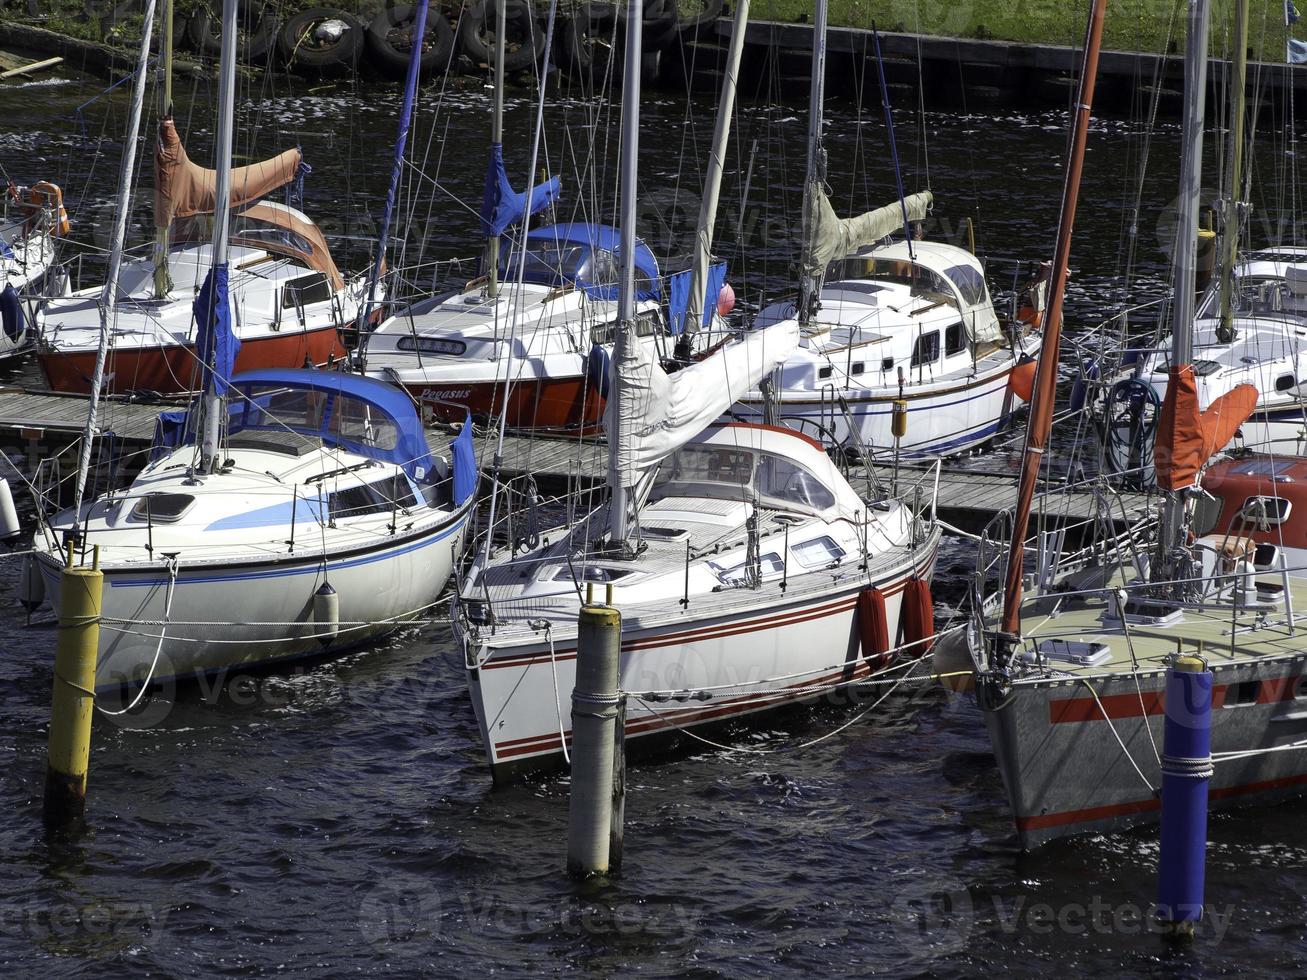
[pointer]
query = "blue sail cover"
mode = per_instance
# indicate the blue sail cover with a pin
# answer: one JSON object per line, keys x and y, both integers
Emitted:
{"x": 215, "y": 342}
{"x": 678, "y": 297}
{"x": 465, "y": 463}
{"x": 502, "y": 207}
{"x": 584, "y": 255}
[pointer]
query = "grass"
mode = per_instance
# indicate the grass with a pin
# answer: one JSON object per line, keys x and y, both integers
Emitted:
{"x": 1132, "y": 25}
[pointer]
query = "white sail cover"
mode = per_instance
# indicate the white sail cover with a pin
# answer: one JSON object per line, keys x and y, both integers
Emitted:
{"x": 834, "y": 238}
{"x": 660, "y": 412}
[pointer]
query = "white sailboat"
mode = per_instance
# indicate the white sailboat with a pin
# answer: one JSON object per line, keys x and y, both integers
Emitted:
{"x": 890, "y": 326}
{"x": 288, "y": 513}
{"x": 33, "y": 221}
{"x": 750, "y": 575}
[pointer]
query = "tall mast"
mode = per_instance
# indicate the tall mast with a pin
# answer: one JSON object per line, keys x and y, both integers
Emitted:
{"x": 221, "y": 219}
{"x": 816, "y": 154}
{"x": 1040, "y": 423}
{"x": 712, "y": 184}
{"x": 109, "y": 297}
{"x": 1186, "y": 238}
{"x": 497, "y": 138}
{"x": 397, "y": 166}
{"x": 162, "y": 279}
{"x": 626, "y": 228}
{"x": 1234, "y": 173}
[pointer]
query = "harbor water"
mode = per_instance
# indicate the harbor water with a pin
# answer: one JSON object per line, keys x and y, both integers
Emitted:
{"x": 339, "y": 820}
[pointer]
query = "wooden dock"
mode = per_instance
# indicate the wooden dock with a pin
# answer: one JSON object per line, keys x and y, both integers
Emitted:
{"x": 41, "y": 424}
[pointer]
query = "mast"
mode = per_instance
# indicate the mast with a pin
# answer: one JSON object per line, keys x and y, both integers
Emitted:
{"x": 1186, "y": 239}
{"x": 808, "y": 286}
{"x": 397, "y": 166}
{"x": 1040, "y": 423}
{"x": 713, "y": 179}
{"x": 1234, "y": 173}
{"x": 162, "y": 278}
{"x": 497, "y": 139}
{"x": 626, "y": 226}
{"x": 213, "y": 408}
{"x": 109, "y": 296}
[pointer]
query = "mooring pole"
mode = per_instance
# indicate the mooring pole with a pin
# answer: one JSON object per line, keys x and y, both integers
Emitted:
{"x": 595, "y": 714}
{"x": 1186, "y": 773}
{"x": 73, "y": 698}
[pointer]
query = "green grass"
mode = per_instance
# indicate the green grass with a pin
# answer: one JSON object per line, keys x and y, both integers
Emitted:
{"x": 1132, "y": 25}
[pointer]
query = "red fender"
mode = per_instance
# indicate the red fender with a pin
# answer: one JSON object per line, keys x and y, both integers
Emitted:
{"x": 1021, "y": 382}
{"x": 873, "y": 628}
{"x": 918, "y": 618}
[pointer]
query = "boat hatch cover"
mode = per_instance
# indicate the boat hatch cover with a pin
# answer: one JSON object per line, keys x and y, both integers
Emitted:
{"x": 1082, "y": 653}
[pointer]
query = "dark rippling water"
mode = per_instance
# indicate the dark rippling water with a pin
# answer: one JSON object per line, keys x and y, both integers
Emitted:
{"x": 340, "y": 821}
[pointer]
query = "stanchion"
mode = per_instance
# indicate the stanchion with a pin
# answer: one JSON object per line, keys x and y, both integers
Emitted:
{"x": 595, "y": 703}
{"x": 1186, "y": 773}
{"x": 73, "y": 698}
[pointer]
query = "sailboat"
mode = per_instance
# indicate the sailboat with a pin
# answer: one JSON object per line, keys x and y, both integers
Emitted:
{"x": 288, "y": 296}
{"x": 749, "y": 573}
{"x": 893, "y": 332}
{"x": 34, "y": 220}
{"x": 1070, "y": 676}
{"x": 532, "y": 351}
{"x": 287, "y": 513}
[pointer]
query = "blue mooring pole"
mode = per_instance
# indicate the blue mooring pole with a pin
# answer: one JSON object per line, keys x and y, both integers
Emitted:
{"x": 1186, "y": 773}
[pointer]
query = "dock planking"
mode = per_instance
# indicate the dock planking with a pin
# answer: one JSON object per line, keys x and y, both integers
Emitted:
{"x": 43, "y": 423}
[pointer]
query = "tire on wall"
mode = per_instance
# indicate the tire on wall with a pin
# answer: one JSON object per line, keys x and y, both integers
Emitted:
{"x": 322, "y": 41}
{"x": 591, "y": 44}
{"x": 525, "y": 39}
{"x": 390, "y": 41}
{"x": 256, "y": 23}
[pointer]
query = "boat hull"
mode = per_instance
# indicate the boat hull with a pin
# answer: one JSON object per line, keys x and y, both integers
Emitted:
{"x": 568, "y": 403}
{"x": 171, "y": 369}
{"x": 524, "y": 726}
{"x": 942, "y": 420}
{"x": 1066, "y": 773}
{"x": 251, "y": 614}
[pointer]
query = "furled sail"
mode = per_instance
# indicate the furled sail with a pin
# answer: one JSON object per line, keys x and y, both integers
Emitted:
{"x": 660, "y": 412}
{"x": 183, "y": 188}
{"x": 501, "y": 206}
{"x": 833, "y": 237}
{"x": 1186, "y": 437}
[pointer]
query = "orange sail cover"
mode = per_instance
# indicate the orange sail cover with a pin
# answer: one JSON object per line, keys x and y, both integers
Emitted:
{"x": 182, "y": 188}
{"x": 1186, "y": 437}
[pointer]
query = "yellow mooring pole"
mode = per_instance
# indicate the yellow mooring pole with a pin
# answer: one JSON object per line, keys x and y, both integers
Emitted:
{"x": 73, "y": 699}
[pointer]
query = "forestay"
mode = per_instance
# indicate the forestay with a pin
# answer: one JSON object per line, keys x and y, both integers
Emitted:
{"x": 834, "y": 237}
{"x": 660, "y": 412}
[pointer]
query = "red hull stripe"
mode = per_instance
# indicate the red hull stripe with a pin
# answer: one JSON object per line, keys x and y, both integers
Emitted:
{"x": 1091, "y": 814}
{"x": 1070, "y": 710}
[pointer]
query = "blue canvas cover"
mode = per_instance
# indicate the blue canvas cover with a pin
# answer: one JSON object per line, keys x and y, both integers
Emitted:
{"x": 215, "y": 342}
{"x": 503, "y": 207}
{"x": 169, "y": 432}
{"x": 465, "y": 463}
{"x": 678, "y": 297}
{"x": 407, "y": 449}
{"x": 585, "y": 255}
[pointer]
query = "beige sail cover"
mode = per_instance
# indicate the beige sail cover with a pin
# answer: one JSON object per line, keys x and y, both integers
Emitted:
{"x": 317, "y": 256}
{"x": 658, "y": 413}
{"x": 183, "y": 188}
{"x": 834, "y": 237}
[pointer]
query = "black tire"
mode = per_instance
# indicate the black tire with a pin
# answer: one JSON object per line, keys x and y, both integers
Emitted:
{"x": 525, "y": 40}
{"x": 660, "y": 28}
{"x": 704, "y": 20}
{"x": 390, "y": 41}
{"x": 308, "y": 52}
{"x": 591, "y": 45}
{"x": 256, "y": 22}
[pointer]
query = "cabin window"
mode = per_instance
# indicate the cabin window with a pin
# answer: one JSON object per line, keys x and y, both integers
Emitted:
{"x": 306, "y": 290}
{"x": 887, "y": 364}
{"x": 955, "y": 341}
{"x": 1243, "y": 693}
{"x": 970, "y": 283}
{"x": 381, "y": 496}
{"x": 819, "y": 553}
{"x": 784, "y": 480}
{"x": 1285, "y": 382}
{"x": 857, "y": 368}
{"x": 431, "y": 345}
{"x": 824, "y": 373}
{"x": 647, "y": 324}
{"x": 162, "y": 508}
{"x": 926, "y": 349}
{"x": 1265, "y": 510}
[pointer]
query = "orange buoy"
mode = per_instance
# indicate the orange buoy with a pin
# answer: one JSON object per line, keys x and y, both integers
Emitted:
{"x": 1021, "y": 381}
{"x": 873, "y": 627}
{"x": 918, "y": 617}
